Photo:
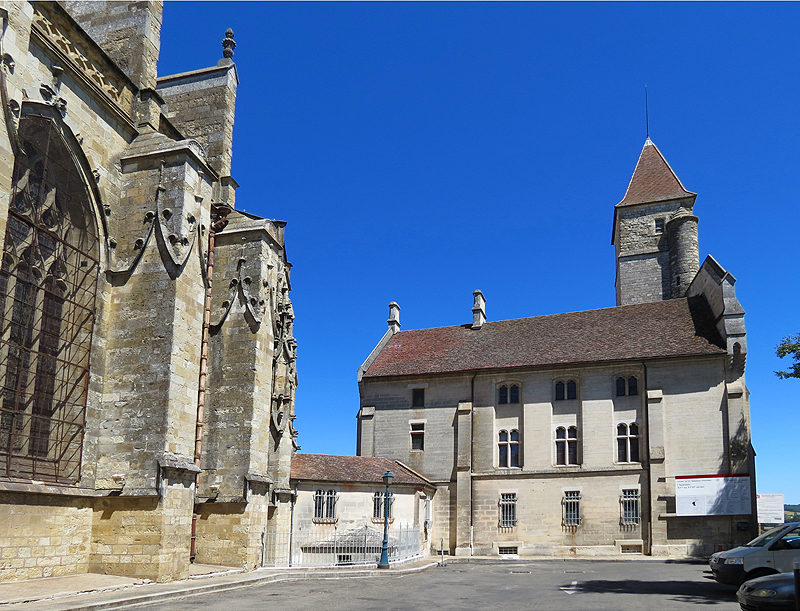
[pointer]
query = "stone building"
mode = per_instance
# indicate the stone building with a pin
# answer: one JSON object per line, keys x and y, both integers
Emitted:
{"x": 341, "y": 498}
{"x": 147, "y": 361}
{"x": 581, "y": 433}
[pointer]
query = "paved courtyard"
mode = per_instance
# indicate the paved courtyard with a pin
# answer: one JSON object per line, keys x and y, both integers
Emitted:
{"x": 563, "y": 585}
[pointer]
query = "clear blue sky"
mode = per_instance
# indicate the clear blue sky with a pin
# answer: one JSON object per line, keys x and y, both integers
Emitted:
{"x": 419, "y": 151}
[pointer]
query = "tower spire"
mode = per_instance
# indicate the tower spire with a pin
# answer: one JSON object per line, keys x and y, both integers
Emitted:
{"x": 646, "y": 114}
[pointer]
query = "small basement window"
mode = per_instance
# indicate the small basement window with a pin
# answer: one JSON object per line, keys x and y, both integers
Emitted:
{"x": 508, "y": 550}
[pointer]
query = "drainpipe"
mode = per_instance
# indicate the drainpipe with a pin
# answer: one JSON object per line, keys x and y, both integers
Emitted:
{"x": 648, "y": 490}
{"x": 471, "y": 458}
{"x": 291, "y": 522}
{"x": 219, "y": 219}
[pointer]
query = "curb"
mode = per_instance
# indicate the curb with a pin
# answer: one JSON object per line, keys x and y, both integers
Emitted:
{"x": 127, "y": 598}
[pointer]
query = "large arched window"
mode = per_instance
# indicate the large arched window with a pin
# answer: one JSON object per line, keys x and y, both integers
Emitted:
{"x": 48, "y": 282}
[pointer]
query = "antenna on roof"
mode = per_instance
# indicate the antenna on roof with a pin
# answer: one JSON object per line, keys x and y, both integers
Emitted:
{"x": 646, "y": 114}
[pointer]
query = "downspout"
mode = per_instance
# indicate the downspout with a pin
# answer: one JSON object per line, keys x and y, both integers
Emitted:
{"x": 647, "y": 492}
{"x": 219, "y": 219}
{"x": 471, "y": 456}
{"x": 291, "y": 522}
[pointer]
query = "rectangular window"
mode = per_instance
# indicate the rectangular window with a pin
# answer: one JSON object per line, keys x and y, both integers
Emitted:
{"x": 572, "y": 508}
{"x": 508, "y": 510}
{"x": 418, "y": 397}
{"x": 659, "y": 226}
{"x": 418, "y": 436}
{"x": 630, "y": 507}
{"x": 378, "y": 506}
{"x": 325, "y": 505}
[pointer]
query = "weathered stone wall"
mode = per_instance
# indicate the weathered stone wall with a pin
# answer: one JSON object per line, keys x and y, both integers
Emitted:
{"x": 129, "y": 31}
{"x": 44, "y": 536}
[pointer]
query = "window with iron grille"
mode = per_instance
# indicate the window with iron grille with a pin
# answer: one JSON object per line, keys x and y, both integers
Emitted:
{"x": 418, "y": 436}
{"x": 48, "y": 283}
{"x": 572, "y": 508}
{"x": 508, "y": 448}
{"x": 630, "y": 507}
{"x": 567, "y": 445}
{"x": 508, "y": 510}
{"x": 378, "y": 500}
{"x": 628, "y": 442}
{"x": 325, "y": 505}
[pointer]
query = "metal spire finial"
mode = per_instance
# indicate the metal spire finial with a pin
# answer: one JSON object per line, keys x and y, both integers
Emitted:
{"x": 228, "y": 44}
{"x": 646, "y": 114}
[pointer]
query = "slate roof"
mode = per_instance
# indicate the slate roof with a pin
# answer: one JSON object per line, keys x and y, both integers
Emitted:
{"x": 677, "y": 327}
{"x": 356, "y": 469}
{"x": 653, "y": 179}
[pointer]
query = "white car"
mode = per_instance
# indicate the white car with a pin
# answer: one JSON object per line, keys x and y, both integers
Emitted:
{"x": 772, "y": 552}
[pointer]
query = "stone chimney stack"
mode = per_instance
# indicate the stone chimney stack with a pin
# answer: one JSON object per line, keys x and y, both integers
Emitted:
{"x": 478, "y": 310}
{"x": 394, "y": 317}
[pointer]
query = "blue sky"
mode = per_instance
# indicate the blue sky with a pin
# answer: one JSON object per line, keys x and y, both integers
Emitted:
{"x": 419, "y": 151}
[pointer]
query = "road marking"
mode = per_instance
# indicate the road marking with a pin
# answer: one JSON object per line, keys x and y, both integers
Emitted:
{"x": 571, "y": 588}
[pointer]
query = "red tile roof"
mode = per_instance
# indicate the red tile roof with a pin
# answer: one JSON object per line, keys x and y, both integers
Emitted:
{"x": 653, "y": 179}
{"x": 357, "y": 469}
{"x": 677, "y": 327}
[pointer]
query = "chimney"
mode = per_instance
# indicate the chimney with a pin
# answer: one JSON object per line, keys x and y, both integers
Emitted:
{"x": 394, "y": 317}
{"x": 478, "y": 310}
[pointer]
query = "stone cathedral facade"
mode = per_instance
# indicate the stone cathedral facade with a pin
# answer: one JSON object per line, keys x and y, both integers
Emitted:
{"x": 147, "y": 361}
{"x": 579, "y": 434}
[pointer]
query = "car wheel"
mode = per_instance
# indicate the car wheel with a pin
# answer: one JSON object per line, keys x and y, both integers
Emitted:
{"x": 762, "y": 572}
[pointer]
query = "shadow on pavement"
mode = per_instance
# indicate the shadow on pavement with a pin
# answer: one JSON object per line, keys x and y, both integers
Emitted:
{"x": 684, "y": 591}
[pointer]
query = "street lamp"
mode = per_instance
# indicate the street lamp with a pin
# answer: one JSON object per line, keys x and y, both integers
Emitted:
{"x": 384, "y": 562}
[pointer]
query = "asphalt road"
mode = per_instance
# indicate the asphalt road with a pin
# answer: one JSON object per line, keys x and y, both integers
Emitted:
{"x": 518, "y": 585}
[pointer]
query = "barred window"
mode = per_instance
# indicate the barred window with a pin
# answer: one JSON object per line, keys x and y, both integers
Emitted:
{"x": 325, "y": 504}
{"x": 628, "y": 442}
{"x": 627, "y": 387}
{"x": 48, "y": 282}
{"x": 508, "y": 510}
{"x": 567, "y": 445}
{"x": 508, "y": 448}
{"x": 629, "y": 502}
{"x": 378, "y": 506}
{"x": 418, "y": 436}
{"x": 508, "y": 394}
{"x": 572, "y": 508}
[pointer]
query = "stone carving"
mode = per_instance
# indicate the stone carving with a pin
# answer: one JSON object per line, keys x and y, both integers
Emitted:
{"x": 242, "y": 290}
{"x": 51, "y": 32}
{"x": 284, "y": 372}
{"x": 8, "y": 62}
{"x": 228, "y": 44}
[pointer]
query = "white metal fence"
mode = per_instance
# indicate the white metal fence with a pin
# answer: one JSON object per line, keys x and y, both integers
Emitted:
{"x": 332, "y": 548}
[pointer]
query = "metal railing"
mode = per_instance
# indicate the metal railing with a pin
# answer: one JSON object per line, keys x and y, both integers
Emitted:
{"x": 338, "y": 548}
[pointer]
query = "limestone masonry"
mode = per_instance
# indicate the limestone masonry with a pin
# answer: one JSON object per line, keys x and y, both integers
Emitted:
{"x": 147, "y": 360}
{"x": 568, "y": 435}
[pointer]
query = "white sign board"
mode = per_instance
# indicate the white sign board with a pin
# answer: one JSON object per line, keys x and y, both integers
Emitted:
{"x": 770, "y": 508}
{"x": 712, "y": 495}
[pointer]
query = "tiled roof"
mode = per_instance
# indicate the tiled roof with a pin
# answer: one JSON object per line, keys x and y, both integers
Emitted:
{"x": 653, "y": 180}
{"x": 357, "y": 469}
{"x": 677, "y": 327}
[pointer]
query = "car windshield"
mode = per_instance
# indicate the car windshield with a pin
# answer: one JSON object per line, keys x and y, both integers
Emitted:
{"x": 766, "y": 538}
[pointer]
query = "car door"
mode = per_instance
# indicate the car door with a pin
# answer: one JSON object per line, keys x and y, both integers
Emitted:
{"x": 786, "y": 550}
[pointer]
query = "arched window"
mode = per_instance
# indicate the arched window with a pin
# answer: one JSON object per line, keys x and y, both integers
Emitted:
{"x": 48, "y": 282}
{"x": 629, "y": 387}
{"x": 567, "y": 445}
{"x": 628, "y": 442}
{"x": 508, "y": 394}
{"x": 566, "y": 390}
{"x": 508, "y": 448}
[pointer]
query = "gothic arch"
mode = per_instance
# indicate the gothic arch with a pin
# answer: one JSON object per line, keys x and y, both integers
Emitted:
{"x": 48, "y": 285}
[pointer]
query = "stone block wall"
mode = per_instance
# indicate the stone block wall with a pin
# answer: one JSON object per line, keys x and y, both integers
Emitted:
{"x": 44, "y": 536}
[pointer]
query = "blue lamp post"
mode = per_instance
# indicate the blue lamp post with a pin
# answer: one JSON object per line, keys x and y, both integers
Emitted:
{"x": 384, "y": 562}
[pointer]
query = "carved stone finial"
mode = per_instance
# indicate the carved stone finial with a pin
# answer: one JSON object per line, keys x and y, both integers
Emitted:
{"x": 228, "y": 44}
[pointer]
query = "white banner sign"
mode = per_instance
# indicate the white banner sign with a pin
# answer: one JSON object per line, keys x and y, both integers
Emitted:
{"x": 712, "y": 495}
{"x": 770, "y": 508}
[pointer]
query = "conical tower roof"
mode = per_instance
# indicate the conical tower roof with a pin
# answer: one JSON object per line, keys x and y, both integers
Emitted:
{"x": 653, "y": 180}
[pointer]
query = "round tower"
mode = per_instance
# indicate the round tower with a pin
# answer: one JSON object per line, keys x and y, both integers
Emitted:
{"x": 684, "y": 254}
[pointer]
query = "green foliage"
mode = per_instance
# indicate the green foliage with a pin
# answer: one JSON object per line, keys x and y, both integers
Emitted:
{"x": 795, "y": 508}
{"x": 789, "y": 346}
